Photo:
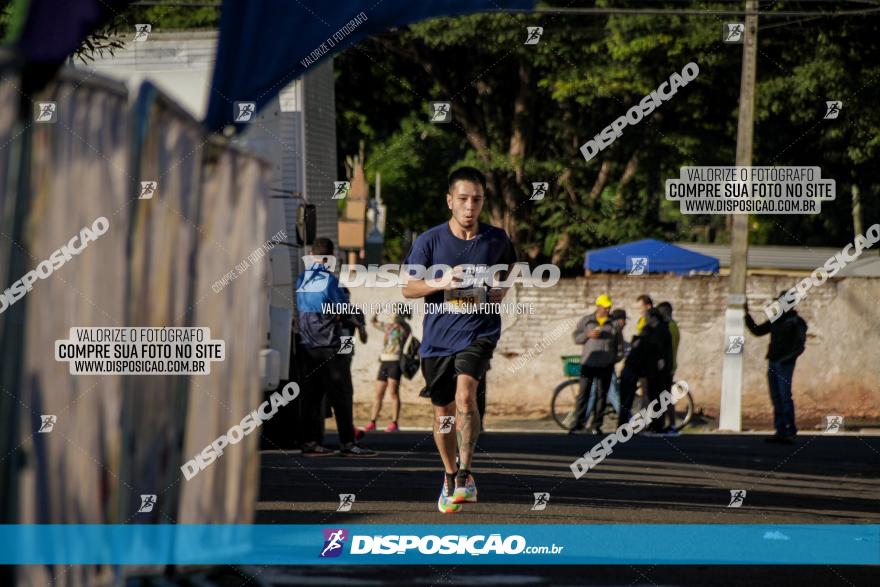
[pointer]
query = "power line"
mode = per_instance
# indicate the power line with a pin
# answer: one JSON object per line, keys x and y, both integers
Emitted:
{"x": 692, "y": 12}
{"x": 621, "y": 11}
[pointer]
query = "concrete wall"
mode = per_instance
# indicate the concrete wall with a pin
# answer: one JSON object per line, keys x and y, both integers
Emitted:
{"x": 838, "y": 374}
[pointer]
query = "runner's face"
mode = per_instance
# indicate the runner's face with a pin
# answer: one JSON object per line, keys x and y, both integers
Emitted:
{"x": 465, "y": 200}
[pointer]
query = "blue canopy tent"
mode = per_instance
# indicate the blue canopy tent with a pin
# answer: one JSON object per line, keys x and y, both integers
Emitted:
{"x": 649, "y": 256}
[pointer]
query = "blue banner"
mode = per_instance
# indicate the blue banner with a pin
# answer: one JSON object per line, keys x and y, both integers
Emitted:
{"x": 473, "y": 544}
{"x": 266, "y": 44}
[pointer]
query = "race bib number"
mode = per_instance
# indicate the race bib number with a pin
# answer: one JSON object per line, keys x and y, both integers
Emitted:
{"x": 468, "y": 296}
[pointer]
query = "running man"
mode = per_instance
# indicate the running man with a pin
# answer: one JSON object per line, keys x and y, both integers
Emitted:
{"x": 456, "y": 347}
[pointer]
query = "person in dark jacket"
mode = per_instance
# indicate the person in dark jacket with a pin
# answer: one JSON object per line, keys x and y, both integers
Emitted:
{"x": 602, "y": 347}
{"x": 649, "y": 359}
{"x": 658, "y": 367}
{"x": 326, "y": 368}
{"x": 787, "y": 340}
{"x": 349, "y": 324}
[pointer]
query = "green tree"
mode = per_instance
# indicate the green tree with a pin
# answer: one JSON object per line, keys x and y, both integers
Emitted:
{"x": 521, "y": 112}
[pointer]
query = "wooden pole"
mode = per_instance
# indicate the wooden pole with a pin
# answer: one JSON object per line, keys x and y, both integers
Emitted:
{"x": 732, "y": 375}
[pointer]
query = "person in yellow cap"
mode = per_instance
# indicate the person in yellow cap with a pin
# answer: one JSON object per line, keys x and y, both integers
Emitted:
{"x": 602, "y": 347}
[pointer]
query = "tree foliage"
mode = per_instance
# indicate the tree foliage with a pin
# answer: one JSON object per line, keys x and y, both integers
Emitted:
{"x": 521, "y": 112}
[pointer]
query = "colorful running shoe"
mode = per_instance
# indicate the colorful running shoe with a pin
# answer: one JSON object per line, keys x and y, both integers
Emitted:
{"x": 467, "y": 492}
{"x": 392, "y": 427}
{"x": 444, "y": 502}
{"x": 370, "y": 427}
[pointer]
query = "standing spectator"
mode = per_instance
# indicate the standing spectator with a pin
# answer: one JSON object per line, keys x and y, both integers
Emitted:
{"x": 788, "y": 337}
{"x": 619, "y": 317}
{"x": 666, "y": 311}
{"x": 349, "y": 323}
{"x": 326, "y": 372}
{"x": 352, "y": 322}
{"x": 659, "y": 365}
{"x": 602, "y": 347}
{"x": 644, "y": 362}
{"x": 643, "y": 304}
{"x": 396, "y": 333}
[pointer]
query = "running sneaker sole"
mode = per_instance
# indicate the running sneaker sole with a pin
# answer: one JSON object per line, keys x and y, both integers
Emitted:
{"x": 465, "y": 494}
{"x": 463, "y": 498}
{"x": 447, "y": 506}
{"x": 314, "y": 455}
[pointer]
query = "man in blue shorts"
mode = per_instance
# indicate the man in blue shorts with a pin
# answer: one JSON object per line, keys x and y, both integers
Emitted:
{"x": 458, "y": 342}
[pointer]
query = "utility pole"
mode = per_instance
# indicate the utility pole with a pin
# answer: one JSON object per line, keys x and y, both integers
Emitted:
{"x": 732, "y": 374}
{"x": 856, "y": 207}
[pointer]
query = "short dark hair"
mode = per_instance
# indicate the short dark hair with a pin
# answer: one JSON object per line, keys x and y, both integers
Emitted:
{"x": 645, "y": 299}
{"x": 665, "y": 308}
{"x": 322, "y": 246}
{"x": 471, "y": 174}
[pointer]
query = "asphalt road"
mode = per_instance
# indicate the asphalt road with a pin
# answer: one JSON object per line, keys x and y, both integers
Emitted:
{"x": 683, "y": 480}
{"x": 820, "y": 479}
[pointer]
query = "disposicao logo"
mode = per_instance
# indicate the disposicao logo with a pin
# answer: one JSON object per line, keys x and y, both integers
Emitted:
{"x": 334, "y": 541}
{"x": 397, "y": 544}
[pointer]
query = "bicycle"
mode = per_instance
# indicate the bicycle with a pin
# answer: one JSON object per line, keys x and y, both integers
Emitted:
{"x": 565, "y": 397}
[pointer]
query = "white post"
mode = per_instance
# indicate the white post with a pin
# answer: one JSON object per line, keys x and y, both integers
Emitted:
{"x": 732, "y": 374}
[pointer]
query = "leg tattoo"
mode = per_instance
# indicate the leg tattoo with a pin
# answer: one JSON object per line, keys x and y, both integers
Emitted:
{"x": 469, "y": 429}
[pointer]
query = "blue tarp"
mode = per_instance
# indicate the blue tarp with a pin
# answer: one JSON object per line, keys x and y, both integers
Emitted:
{"x": 53, "y": 29}
{"x": 266, "y": 44}
{"x": 649, "y": 256}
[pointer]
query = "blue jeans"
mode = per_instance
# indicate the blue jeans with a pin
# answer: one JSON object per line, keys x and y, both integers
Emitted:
{"x": 613, "y": 397}
{"x": 779, "y": 377}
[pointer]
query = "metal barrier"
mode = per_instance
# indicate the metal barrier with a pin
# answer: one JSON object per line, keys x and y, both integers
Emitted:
{"x": 115, "y": 437}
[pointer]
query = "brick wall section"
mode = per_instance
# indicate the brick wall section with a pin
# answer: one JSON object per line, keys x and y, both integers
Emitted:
{"x": 838, "y": 374}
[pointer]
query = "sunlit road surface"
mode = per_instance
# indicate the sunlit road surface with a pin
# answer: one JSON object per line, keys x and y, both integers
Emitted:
{"x": 833, "y": 478}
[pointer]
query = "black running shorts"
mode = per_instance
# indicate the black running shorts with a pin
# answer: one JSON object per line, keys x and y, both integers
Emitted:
{"x": 440, "y": 372}
{"x": 389, "y": 370}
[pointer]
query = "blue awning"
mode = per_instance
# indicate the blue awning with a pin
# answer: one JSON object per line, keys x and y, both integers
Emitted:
{"x": 649, "y": 256}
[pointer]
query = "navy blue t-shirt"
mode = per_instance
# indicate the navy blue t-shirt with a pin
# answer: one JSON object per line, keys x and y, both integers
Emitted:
{"x": 445, "y": 334}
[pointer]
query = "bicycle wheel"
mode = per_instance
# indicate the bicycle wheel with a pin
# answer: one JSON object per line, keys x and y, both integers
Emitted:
{"x": 684, "y": 411}
{"x": 563, "y": 402}
{"x": 684, "y": 408}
